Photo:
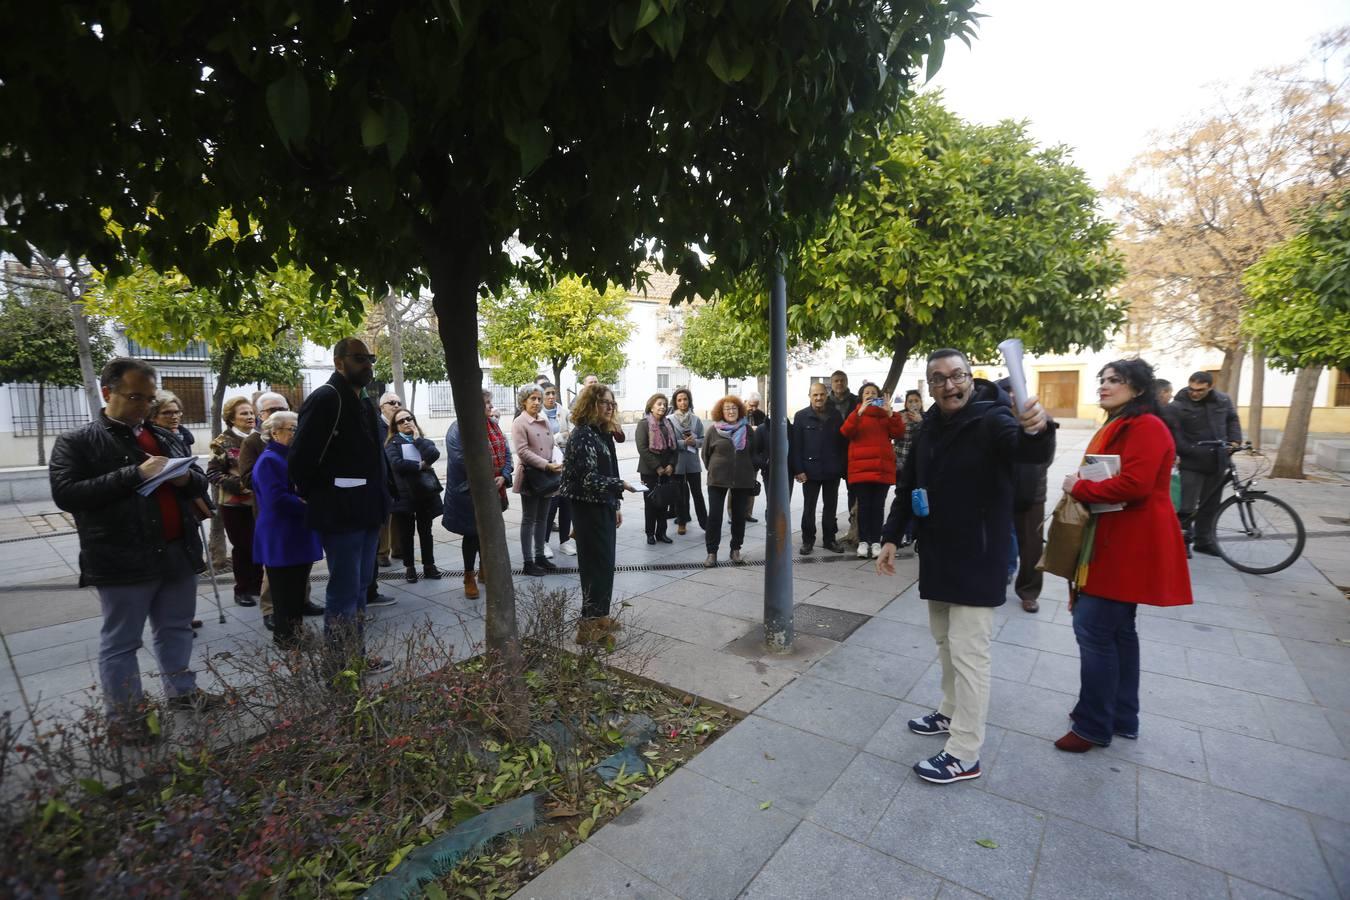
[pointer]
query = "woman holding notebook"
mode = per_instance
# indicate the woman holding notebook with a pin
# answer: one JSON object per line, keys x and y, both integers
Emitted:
{"x": 1132, "y": 554}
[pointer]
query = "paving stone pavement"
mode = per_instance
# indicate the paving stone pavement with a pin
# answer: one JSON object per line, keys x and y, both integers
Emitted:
{"x": 1239, "y": 785}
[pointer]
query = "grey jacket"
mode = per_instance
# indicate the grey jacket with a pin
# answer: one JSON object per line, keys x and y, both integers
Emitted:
{"x": 688, "y": 462}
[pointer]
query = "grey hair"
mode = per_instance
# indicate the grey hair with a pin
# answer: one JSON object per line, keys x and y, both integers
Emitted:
{"x": 276, "y": 420}
{"x": 389, "y": 395}
{"x": 753, "y": 396}
{"x": 525, "y": 393}
{"x": 269, "y": 397}
{"x": 162, "y": 397}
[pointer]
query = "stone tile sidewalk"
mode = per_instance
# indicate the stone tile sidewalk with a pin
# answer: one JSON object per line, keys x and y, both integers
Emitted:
{"x": 1239, "y": 785}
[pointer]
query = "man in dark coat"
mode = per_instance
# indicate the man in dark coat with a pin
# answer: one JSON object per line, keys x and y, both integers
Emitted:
{"x": 1028, "y": 524}
{"x": 141, "y": 553}
{"x": 962, "y": 462}
{"x": 1200, "y": 413}
{"x": 818, "y": 457}
{"x": 339, "y": 467}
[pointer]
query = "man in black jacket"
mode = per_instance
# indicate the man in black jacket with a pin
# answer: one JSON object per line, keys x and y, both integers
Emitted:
{"x": 1028, "y": 524}
{"x": 339, "y": 467}
{"x": 962, "y": 463}
{"x": 1200, "y": 413}
{"x": 818, "y": 459}
{"x": 142, "y": 553}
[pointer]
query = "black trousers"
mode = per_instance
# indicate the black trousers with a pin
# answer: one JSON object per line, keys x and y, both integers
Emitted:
{"x": 1028, "y": 525}
{"x": 829, "y": 524}
{"x": 871, "y": 510}
{"x": 655, "y": 522}
{"x": 289, "y": 586}
{"x": 469, "y": 547}
{"x": 404, "y": 523}
{"x": 560, "y": 519}
{"x": 238, "y": 522}
{"x": 692, "y": 489}
{"x": 1200, "y": 496}
{"x": 739, "y": 505}
{"x": 596, "y": 526}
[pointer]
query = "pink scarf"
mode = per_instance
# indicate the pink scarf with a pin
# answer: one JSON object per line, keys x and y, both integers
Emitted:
{"x": 660, "y": 436}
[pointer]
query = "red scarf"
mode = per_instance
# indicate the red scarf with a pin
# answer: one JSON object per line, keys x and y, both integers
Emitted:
{"x": 497, "y": 444}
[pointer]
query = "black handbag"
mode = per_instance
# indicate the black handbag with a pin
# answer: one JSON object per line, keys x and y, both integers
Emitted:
{"x": 428, "y": 484}
{"x": 542, "y": 482}
{"x": 664, "y": 499}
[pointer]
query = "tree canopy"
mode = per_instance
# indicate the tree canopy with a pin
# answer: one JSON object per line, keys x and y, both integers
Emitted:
{"x": 1290, "y": 317}
{"x": 423, "y": 356}
{"x": 965, "y": 235}
{"x": 278, "y": 363}
{"x": 716, "y": 343}
{"x": 568, "y": 323}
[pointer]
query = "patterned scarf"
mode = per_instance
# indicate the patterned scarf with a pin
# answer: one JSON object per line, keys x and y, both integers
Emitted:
{"x": 659, "y": 434}
{"x": 497, "y": 444}
{"x": 736, "y": 431}
{"x": 1100, "y": 441}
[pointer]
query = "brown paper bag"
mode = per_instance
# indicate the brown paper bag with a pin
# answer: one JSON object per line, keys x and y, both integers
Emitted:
{"x": 1064, "y": 542}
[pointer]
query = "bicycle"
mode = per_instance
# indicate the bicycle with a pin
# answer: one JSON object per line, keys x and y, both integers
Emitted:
{"x": 1253, "y": 531}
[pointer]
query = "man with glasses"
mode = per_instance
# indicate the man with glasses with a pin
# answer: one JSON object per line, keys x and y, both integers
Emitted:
{"x": 338, "y": 465}
{"x": 958, "y": 489}
{"x": 1200, "y": 413}
{"x": 141, "y": 553}
{"x": 267, "y": 403}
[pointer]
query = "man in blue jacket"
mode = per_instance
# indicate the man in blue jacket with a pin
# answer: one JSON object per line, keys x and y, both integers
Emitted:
{"x": 818, "y": 457}
{"x": 961, "y": 466}
{"x": 339, "y": 467}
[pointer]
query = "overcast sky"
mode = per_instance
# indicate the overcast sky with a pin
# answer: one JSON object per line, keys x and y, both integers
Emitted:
{"x": 1099, "y": 75}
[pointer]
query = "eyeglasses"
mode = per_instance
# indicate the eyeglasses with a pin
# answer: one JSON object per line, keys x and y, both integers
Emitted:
{"x": 170, "y": 413}
{"x": 956, "y": 379}
{"x": 607, "y": 403}
{"x": 398, "y": 403}
{"x": 363, "y": 357}
{"x": 135, "y": 398}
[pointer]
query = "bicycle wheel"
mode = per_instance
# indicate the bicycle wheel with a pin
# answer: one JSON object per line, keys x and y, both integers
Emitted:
{"x": 1258, "y": 533}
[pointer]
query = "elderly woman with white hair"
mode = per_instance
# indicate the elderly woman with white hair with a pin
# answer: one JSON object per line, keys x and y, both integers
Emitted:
{"x": 282, "y": 542}
{"x": 540, "y": 478}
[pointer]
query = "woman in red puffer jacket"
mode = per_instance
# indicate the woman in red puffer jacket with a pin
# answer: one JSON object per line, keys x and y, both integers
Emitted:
{"x": 869, "y": 430}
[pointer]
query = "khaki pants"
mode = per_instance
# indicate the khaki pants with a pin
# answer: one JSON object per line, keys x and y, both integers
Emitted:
{"x": 963, "y": 634}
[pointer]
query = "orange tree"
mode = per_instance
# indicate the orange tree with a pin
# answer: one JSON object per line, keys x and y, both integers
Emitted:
{"x": 403, "y": 144}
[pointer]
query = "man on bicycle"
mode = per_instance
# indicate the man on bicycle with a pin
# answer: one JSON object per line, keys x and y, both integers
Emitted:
{"x": 1200, "y": 413}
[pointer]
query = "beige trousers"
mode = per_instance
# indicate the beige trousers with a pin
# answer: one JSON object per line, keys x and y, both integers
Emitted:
{"x": 963, "y": 634}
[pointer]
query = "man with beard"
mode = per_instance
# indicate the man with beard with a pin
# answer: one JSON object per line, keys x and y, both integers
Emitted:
{"x": 338, "y": 465}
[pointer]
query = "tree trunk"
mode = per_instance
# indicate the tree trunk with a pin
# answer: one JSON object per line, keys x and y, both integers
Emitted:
{"x": 42, "y": 424}
{"x": 1257, "y": 406}
{"x": 901, "y": 348}
{"x": 216, "y": 540}
{"x": 557, "y": 379}
{"x": 455, "y": 284}
{"x": 412, "y": 401}
{"x": 762, "y": 389}
{"x": 1294, "y": 442}
{"x": 73, "y": 289}
{"x": 395, "y": 327}
{"x": 1230, "y": 373}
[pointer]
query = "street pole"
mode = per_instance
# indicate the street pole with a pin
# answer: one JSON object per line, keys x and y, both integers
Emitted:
{"x": 778, "y": 554}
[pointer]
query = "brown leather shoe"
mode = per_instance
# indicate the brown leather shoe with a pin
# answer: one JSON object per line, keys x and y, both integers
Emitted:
{"x": 590, "y": 631}
{"x": 681, "y": 530}
{"x": 608, "y": 625}
{"x": 470, "y": 586}
{"x": 1030, "y": 605}
{"x": 1072, "y": 743}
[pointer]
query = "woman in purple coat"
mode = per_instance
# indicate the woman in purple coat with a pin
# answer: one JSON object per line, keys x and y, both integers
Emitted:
{"x": 282, "y": 542}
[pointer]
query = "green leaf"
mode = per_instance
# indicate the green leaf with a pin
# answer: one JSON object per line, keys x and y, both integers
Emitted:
{"x": 584, "y": 829}
{"x": 288, "y": 105}
{"x": 717, "y": 60}
{"x": 372, "y": 129}
{"x": 93, "y": 786}
{"x": 534, "y": 145}
{"x": 766, "y": 804}
{"x": 396, "y": 130}
{"x": 935, "y": 51}
{"x": 987, "y": 844}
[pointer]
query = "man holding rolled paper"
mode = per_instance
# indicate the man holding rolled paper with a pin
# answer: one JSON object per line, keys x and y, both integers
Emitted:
{"x": 958, "y": 491}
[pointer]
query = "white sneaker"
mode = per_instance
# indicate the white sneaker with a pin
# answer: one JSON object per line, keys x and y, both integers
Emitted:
{"x": 548, "y": 552}
{"x": 874, "y": 551}
{"x": 862, "y": 550}
{"x": 567, "y": 549}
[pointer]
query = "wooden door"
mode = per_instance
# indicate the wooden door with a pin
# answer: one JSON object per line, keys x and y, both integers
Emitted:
{"x": 1059, "y": 394}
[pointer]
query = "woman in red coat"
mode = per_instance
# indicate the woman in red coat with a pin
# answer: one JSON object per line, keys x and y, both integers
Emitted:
{"x": 1130, "y": 556}
{"x": 869, "y": 430}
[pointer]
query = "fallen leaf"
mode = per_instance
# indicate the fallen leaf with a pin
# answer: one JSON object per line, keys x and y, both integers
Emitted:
{"x": 561, "y": 812}
{"x": 766, "y": 804}
{"x": 769, "y": 756}
{"x": 987, "y": 844}
{"x": 733, "y": 696}
{"x": 432, "y": 817}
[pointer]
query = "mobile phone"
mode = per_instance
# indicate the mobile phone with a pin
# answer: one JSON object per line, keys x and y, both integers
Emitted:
{"x": 918, "y": 501}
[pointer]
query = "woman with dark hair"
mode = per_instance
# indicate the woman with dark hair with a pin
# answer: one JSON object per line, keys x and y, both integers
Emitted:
{"x": 591, "y": 481}
{"x": 732, "y": 455}
{"x": 1110, "y": 581}
{"x": 459, "y": 512}
{"x": 869, "y": 430}
{"x": 657, "y": 451}
{"x": 418, "y": 501}
{"x": 688, "y": 471}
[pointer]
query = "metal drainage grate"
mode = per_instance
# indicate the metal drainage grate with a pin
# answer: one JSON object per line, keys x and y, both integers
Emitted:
{"x": 822, "y": 621}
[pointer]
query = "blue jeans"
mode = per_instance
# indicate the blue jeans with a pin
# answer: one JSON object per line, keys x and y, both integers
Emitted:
{"x": 1108, "y": 648}
{"x": 351, "y": 568}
